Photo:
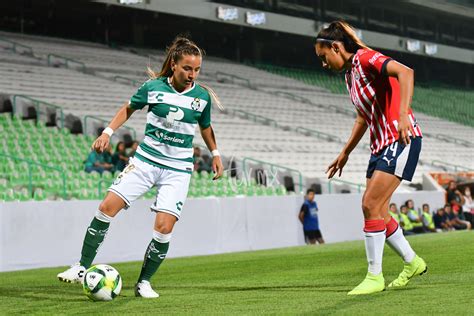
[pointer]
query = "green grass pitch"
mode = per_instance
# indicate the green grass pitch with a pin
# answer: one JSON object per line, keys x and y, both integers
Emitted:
{"x": 300, "y": 280}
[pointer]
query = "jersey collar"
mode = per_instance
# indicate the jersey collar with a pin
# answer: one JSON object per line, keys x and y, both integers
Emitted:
{"x": 180, "y": 93}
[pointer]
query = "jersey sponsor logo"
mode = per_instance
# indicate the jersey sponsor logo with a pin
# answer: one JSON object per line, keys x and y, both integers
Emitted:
{"x": 196, "y": 104}
{"x": 155, "y": 97}
{"x": 175, "y": 114}
{"x": 167, "y": 138}
{"x": 374, "y": 58}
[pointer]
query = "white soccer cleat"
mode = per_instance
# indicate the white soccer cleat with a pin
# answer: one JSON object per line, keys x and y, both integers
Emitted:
{"x": 75, "y": 274}
{"x": 143, "y": 289}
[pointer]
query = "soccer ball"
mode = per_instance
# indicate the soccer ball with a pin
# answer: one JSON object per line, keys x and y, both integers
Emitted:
{"x": 102, "y": 283}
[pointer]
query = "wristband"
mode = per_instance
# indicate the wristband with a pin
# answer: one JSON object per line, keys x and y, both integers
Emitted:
{"x": 108, "y": 131}
{"x": 215, "y": 153}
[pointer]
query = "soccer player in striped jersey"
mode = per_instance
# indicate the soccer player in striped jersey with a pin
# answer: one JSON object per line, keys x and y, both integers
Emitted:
{"x": 381, "y": 90}
{"x": 176, "y": 105}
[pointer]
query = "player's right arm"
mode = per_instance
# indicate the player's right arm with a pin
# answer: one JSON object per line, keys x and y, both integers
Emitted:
{"x": 123, "y": 114}
{"x": 360, "y": 126}
{"x": 138, "y": 101}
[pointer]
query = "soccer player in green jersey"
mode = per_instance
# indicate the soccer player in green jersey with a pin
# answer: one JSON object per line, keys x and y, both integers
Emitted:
{"x": 176, "y": 105}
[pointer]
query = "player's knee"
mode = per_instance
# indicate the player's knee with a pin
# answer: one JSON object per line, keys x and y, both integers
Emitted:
{"x": 164, "y": 227}
{"x": 107, "y": 208}
{"x": 370, "y": 206}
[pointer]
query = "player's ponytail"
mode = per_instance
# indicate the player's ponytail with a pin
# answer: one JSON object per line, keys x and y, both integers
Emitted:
{"x": 214, "y": 97}
{"x": 180, "y": 46}
{"x": 342, "y": 32}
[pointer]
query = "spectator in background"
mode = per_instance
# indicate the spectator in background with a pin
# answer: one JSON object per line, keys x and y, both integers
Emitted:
{"x": 468, "y": 206}
{"x": 414, "y": 217}
{"x": 428, "y": 222}
{"x": 309, "y": 218}
{"x": 454, "y": 220}
{"x": 405, "y": 221}
{"x": 441, "y": 220}
{"x": 197, "y": 158}
{"x": 133, "y": 149}
{"x": 393, "y": 211}
{"x": 206, "y": 164}
{"x": 99, "y": 162}
{"x": 201, "y": 162}
{"x": 454, "y": 197}
{"x": 119, "y": 158}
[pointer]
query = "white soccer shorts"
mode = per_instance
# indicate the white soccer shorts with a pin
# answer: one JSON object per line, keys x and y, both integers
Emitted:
{"x": 139, "y": 177}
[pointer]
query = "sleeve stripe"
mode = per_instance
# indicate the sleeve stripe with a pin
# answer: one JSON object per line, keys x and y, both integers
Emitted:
{"x": 384, "y": 67}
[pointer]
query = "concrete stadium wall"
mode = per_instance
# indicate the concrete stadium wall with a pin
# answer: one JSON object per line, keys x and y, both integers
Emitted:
{"x": 48, "y": 234}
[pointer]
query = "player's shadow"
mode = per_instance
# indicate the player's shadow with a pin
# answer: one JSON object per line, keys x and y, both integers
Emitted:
{"x": 275, "y": 288}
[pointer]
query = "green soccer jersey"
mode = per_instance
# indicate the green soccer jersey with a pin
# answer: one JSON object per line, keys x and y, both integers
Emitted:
{"x": 171, "y": 122}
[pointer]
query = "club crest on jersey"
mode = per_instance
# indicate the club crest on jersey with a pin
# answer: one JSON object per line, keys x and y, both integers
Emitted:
{"x": 356, "y": 75}
{"x": 196, "y": 104}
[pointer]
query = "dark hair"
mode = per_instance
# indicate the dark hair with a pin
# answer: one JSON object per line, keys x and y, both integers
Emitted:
{"x": 118, "y": 145}
{"x": 309, "y": 191}
{"x": 342, "y": 32}
{"x": 180, "y": 46}
{"x": 392, "y": 204}
{"x": 403, "y": 206}
{"x": 407, "y": 201}
{"x": 426, "y": 204}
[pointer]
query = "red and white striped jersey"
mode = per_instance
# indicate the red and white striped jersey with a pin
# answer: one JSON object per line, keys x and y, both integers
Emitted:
{"x": 376, "y": 97}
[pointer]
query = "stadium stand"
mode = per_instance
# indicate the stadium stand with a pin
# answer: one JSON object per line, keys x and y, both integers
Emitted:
{"x": 447, "y": 103}
{"x": 270, "y": 117}
{"x": 40, "y": 162}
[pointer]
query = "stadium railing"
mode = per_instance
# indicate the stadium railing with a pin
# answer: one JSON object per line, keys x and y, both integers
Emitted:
{"x": 37, "y": 103}
{"x": 449, "y": 166}
{"x": 14, "y": 47}
{"x": 254, "y": 117}
{"x": 273, "y": 170}
{"x": 234, "y": 79}
{"x": 454, "y": 140}
{"x": 359, "y": 186}
{"x": 126, "y": 80}
{"x": 322, "y": 135}
{"x": 30, "y": 174}
{"x": 51, "y": 58}
{"x": 87, "y": 118}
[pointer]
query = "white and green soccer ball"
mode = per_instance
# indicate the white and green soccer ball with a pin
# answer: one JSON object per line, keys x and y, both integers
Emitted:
{"x": 102, "y": 283}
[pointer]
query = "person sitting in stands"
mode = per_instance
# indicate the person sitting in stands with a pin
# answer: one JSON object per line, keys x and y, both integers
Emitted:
{"x": 405, "y": 221}
{"x": 441, "y": 220}
{"x": 415, "y": 218}
{"x": 120, "y": 158}
{"x": 454, "y": 220}
{"x": 428, "y": 222}
{"x": 99, "y": 162}
{"x": 394, "y": 212}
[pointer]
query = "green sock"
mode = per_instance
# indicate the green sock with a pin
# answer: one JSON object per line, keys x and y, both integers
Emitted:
{"x": 154, "y": 256}
{"x": 95, "y": 234}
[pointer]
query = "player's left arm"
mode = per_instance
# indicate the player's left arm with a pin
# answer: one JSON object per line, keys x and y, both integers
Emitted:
{"x": 209, "y": 138}
{"x": 405, "y": 76}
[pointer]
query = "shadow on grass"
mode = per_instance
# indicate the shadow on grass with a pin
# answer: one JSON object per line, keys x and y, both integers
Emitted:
{"x": 273, "y": 288}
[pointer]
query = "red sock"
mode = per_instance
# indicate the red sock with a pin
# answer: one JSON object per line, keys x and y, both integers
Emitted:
{"x": 374, "y": 225}
{"x": 391, "y": 227}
